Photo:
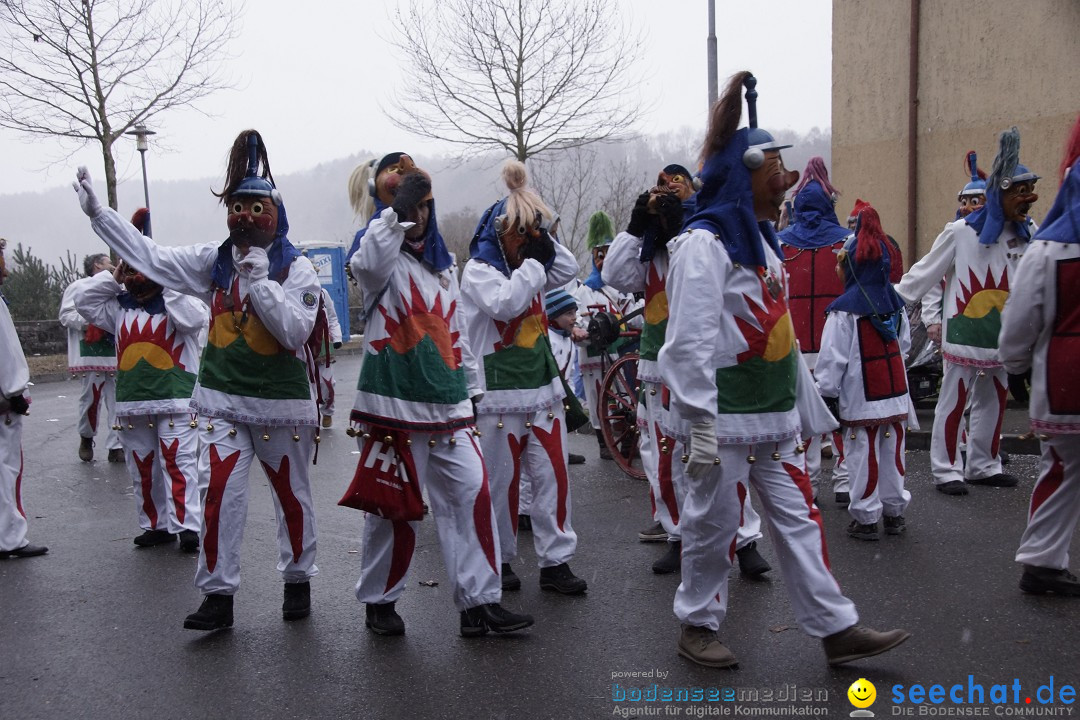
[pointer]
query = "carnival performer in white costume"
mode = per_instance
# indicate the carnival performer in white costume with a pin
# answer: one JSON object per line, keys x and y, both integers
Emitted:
{"x": 92, "y": 357}
{"x": 521, "y": 416}
{"x": 976, "y": 255}
{"x": 414, "y": 411}
{"x": 160, "y": 334}
{"x": 742, "y": 397}
{"x": 637, "y": 262}
{"x": 255, "y": 394}
{"x": 14, "y": 404}
{"x": 1038, "y": 343}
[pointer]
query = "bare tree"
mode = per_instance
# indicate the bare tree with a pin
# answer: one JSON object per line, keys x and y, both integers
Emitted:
{"x": 90, "y": 70}
{"x": 624, "y": 184}
{"x": 523, "y": 76}
{"x": 568, "y": 182}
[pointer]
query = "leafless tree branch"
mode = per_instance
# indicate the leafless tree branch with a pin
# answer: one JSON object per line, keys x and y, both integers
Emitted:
{"x": 90, "y": 70}
{"x": 520, "y": 76}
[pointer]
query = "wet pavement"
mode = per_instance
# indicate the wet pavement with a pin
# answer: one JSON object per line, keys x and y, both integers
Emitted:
{"x": 94, "y": 629}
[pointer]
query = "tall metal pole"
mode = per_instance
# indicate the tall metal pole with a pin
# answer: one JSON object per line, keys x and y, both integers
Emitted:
{"x": 713, "y": 83}
{"x": 146, "y": 194}
{"x": 141, "y": 133}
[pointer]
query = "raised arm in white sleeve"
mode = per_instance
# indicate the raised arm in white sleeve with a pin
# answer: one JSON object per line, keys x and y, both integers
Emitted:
{"x": 184, "y": 269}
{"x": 699, "y": 272}
{"x": 622, "y": 268}
{"x": 498, "y": 296}
{"x": 933, "y": 266}
{"x": 1022, "y": 320}
{"x": 288, "y": 310}
{"x": 564, "y": 269}
{"x": 69, "y": 314}
{"x": 373, "y": 262}
{"x": 95, "y": 299}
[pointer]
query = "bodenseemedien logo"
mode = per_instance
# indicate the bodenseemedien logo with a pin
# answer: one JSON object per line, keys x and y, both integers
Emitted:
{"x": 862, "y": 694}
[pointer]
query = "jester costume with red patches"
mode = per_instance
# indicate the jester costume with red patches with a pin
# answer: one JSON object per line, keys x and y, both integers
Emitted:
{"x": 638, "y": 263}
{"x": 742, "y": 396}
{"x": 415, "y": 385}
{"x": 1040, "y": 337}
{"x": 861, "y": 364}
{"x": 977, "y": 255}
{"x": 521, "y": 416}
{"x": 14, "y": 403}
{"x": 92, "y": 356}
{"x": 158, "y": 346}
{"x": 255, "y": 392}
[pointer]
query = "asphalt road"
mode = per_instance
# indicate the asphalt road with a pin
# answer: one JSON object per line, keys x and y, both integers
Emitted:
{"x": 94, "y": 629}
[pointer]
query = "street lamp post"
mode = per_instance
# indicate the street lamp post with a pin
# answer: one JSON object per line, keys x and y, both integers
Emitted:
{"x": 141, "y": 133}
{"x": 711, "y": 45}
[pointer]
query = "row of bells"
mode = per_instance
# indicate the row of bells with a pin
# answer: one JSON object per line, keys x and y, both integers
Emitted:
{"x": 388, "y": 439}
{"x": 210, "y": 428}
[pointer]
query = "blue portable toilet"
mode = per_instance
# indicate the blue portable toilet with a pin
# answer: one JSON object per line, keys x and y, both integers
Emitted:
{"x": 329, "y": 262}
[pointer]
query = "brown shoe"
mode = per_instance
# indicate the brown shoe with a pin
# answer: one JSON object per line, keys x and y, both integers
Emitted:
{"x": 86, "y": 449}
{"x": 860, "y": 642}
{"x": 702, "y": 646}
{"x": 327, "y": 421}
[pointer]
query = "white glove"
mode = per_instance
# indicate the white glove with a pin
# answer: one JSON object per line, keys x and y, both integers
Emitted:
{"x": 87, "y": 199}
{"x": 702, "y": 449}
{"x": 255, "y": 264}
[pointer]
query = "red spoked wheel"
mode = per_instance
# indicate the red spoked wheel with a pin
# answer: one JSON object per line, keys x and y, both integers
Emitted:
{"x": 618, "y": 415}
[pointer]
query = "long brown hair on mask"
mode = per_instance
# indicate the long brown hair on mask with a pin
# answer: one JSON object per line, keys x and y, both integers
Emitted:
{"x": 237, "y": 168}
{"x": 724, "y": 116}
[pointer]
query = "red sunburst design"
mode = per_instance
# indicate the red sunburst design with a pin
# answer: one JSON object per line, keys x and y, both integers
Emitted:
{"x": 417, "y": 321}
{"x": 975, "y": 287}
{"x": 767, "y": 316}
{"x": 508, "y": 330}
{"x": 148, "y": 334}
{"x": 654, "y": 283}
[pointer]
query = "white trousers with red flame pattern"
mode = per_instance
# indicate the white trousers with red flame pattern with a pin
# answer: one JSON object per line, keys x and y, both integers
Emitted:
{"x": 875, "y": 461}
{"x": 710, "y": 520}
{"x": 531, "y": 442}
{"x": 225, "y": 460}
{"x": 666, "y": 472}
{"x": 1055, "y": 505}
{"x": 162, "y": 456}
{"x": 456, "y": 485}
{"x": 985, "y": 390}
{"x": 97, "y": 407}
{"x": 12, "y": 517}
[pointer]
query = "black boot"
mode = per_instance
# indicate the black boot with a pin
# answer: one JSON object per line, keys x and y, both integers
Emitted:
{"x": 751, "y": 564}
{"x": 510, "y": 581}
{"x": 605, "y": 454}
{"x": 150, "y": 538}
{"x": 189, "y": 541}
{"x": 671, "y": 561}
{"x": 214, "y": 613}
{"x": 297, "y": 604}
{"x": 478, "y": 620}
{"x": 86, "y": 449}
{"x": 382, "y": 619}
{"x": 560, "y": 579}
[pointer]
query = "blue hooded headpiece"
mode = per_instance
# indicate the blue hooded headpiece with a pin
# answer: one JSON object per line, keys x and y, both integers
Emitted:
{"x": 989, "y": 220}
{"x": 650, "y": 241}
{"x": 435, "y": 256}
{"x": 1062, "y": 223}
{"x": 725, "y": 203}
{"x": 485, "y": 245}
{"x": 815, "y": 223}
{"x": 867, "y": 290}
{"x": 281, "y": 252}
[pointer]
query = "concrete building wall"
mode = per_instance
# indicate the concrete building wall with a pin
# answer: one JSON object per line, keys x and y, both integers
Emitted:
{"x": 983, "y": 67}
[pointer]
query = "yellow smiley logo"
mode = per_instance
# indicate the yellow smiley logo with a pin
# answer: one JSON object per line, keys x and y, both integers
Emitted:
{"x": 862, "y": 693}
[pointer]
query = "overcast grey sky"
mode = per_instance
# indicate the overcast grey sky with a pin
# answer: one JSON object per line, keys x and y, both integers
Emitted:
{"x": 314, "y": 76}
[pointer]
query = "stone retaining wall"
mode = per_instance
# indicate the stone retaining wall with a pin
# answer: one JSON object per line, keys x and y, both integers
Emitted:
{"x": 42, "y": 337}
